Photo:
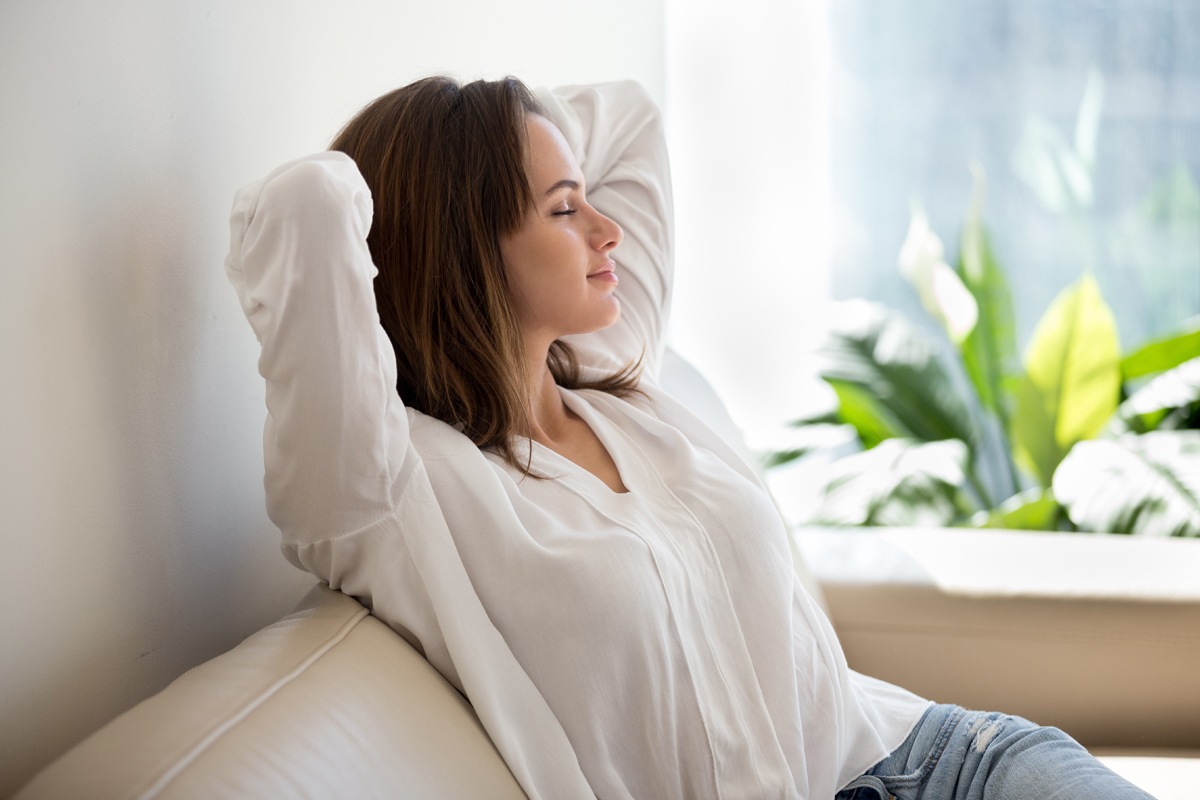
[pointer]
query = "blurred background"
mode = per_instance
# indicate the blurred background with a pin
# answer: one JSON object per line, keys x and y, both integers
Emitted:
{"x": 813, "y": 141}
{"x": 803, "y": 133}
{"x": 1085, "y": 116}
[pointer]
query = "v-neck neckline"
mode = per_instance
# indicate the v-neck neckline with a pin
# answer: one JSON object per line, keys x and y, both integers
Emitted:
{"x": 614, "y": 442}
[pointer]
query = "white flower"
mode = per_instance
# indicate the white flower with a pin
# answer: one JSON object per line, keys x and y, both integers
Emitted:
{"x": 942, "y": 292}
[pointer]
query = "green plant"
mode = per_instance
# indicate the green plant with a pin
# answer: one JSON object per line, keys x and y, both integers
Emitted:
{"x": 1147, "y": 484}
{"x": 1027, "y": 422}
{"x": 1071, "y": 381}
{"x": 898, "y": 482}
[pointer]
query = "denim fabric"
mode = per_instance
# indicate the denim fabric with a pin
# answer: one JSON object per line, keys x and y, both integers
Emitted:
{"x": 955, "y": 754}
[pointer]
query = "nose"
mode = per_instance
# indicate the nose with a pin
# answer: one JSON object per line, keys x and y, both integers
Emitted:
{"x": 606, "y": 234}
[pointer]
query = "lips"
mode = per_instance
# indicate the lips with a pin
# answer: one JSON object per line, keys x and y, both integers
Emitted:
{"x": 605, "y": 273}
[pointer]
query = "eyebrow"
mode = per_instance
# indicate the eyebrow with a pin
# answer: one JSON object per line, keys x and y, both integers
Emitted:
{"x": 566, "y": 183}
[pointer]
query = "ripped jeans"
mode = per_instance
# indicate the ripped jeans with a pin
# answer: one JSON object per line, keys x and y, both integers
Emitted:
{"x": 955, "y": 754}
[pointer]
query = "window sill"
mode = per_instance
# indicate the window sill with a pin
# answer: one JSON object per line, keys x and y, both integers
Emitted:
{"x": 1098, "y": 635}
{"x": 995, "y": 563}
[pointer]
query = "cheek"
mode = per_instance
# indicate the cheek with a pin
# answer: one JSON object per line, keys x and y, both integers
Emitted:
{"x": 529, "y": 265}
{"x": 552, "y": 262}
{"x": 547, "y": 277}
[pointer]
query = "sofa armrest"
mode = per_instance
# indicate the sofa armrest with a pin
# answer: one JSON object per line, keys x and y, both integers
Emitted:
{"x": 328, "y": 702}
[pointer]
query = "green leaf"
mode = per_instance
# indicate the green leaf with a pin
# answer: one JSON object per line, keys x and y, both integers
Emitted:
{"x": 826, "y": 417}
{"x": 1030, "y": 510}
{"x": 802, "y": 440}
{"x": 1152, "y": 406}
{"x": 1147, "y": 484}
{"x": 1087, "y": 122}
{"x": 777, "y": 458}
{"x": 889, "y": 380}
{"x": 1162, "y": 354}
{"x": 1072, "y": 378}
{"x": 989, "y": 353}
{"x": 1059, "y": 172}
{"x": 1047, "y": 163}
{"x": 900, "y": 482}
{"x": 873, "y": 420}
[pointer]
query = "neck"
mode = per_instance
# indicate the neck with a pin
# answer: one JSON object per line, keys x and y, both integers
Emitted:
{"x": 548, "y": 416}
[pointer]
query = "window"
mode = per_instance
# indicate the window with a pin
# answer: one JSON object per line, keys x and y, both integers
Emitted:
{"x": 1085, "y": 115}
{"x": 805, "y": 135}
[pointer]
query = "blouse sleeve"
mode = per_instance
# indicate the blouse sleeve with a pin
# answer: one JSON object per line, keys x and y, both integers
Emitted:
{"x": 335, "y": 442}
{"x": 616, "y": 133}
{"x": 355, "y": 503}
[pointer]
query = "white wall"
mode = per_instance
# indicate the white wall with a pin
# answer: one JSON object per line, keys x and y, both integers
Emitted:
{"x": 131, "y": 513}
{"x": 747, "y": 122}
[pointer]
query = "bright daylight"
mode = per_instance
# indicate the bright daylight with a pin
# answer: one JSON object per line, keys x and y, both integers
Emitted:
{"x": 633, "y": 400}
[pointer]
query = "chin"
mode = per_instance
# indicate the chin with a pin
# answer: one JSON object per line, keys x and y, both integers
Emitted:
{"x": 613, "y": 316}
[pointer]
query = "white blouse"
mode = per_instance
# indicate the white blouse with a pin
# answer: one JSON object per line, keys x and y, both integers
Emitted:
{"x": 653, "y": 644}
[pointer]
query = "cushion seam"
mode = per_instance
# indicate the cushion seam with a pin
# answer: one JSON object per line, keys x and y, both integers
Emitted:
{"x": 228, "y": 724}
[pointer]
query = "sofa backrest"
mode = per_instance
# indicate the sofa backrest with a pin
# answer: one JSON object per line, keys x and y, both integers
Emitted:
{"x": 328, "y": 702}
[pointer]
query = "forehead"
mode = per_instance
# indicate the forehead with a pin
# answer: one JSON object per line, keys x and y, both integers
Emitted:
{"x": 550, "y": 157}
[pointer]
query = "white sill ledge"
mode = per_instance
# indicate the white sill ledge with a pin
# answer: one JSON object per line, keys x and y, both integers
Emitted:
{"x": 1166, "y": 776}
{"x": 990, "y": 563}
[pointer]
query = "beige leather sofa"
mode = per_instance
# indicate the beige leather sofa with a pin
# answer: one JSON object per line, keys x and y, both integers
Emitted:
{"x": 327, "y": 702}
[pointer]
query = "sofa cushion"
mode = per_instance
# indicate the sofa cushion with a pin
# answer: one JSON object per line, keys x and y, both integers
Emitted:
{"x": 327, "y": 702}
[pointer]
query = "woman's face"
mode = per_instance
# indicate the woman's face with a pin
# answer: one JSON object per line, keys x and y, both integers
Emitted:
{"x": 558, "y": 266}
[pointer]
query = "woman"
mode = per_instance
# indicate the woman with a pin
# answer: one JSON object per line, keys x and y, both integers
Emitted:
{"x": 476, "y": 448}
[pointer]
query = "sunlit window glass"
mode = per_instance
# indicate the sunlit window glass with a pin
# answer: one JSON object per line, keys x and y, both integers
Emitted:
{"x": 1084, "y": 116}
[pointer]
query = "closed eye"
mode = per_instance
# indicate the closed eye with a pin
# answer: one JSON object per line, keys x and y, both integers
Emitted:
{"x": 564, "y": 213}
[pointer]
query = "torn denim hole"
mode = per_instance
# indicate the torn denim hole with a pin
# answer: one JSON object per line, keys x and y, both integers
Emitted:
{"x": 986, "y": 735}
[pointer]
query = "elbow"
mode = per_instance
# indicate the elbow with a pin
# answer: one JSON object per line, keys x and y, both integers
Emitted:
{"x": 640, "y": 100}
{"x": 317, "y": 187}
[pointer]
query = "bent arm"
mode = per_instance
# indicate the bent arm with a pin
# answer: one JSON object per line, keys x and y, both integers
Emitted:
{"x": 616, "y": 133}
{"x": 344, "y": 483}
{"x": 336, "y": 435}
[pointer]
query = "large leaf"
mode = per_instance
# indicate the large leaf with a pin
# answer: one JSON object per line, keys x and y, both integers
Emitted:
{"x": 889, "y": 379}
{"x": 1030, "y": 510}
{"x": 1169, "y": 401}
{"x": 1147, "y": 484}
{"x": 1072, "y": 378}
{"x": 1162, "y": 354}
{"x": 900, "y": 482}
{"x": 989, "y": 353}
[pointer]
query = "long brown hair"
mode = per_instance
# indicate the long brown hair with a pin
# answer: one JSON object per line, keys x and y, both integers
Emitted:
{"x": 446, "y": 166}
